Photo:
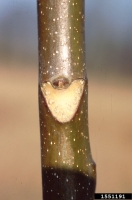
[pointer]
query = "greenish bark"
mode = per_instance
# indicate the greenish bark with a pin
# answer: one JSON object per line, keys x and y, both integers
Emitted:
{"x": 68, "y": 170}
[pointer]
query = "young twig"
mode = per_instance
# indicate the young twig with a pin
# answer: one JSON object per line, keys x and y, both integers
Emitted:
{"x": 68, "y": 171}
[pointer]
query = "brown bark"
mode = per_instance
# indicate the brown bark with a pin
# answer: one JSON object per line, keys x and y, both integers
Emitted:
{"x": 68, "y": 171}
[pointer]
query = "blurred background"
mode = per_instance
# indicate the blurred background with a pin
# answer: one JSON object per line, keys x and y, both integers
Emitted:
{"x": 109, "y": 66}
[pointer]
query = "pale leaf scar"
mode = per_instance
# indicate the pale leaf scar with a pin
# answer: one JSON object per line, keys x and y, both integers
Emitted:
{"x": 63, "y": 97}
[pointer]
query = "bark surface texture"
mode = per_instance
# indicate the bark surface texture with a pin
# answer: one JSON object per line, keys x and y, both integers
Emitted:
{"x": 68, "y": 170}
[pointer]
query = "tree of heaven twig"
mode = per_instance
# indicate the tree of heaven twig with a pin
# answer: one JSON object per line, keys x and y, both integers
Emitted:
{"x": 68, "y": 170}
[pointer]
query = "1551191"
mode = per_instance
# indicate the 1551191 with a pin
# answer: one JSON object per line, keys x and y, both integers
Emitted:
{"x": 112, "y": 196}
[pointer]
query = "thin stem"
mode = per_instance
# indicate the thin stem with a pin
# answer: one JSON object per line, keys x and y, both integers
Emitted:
{"x": 68, "y": 171}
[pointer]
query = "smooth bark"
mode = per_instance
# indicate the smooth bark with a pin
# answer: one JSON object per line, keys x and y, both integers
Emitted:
{"x": 68, "y": 170}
